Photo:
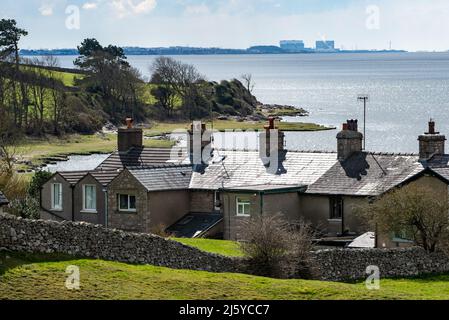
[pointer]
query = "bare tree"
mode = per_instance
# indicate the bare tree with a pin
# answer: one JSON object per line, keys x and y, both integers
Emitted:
{"x": 276, "y": 247}
{"x": 181, "y": 78}
{"x": 248, "y": 82}
{"x": 413, "y": 212}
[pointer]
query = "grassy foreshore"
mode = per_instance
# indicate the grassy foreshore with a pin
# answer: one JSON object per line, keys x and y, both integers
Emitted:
{"x": 37, "y": 150}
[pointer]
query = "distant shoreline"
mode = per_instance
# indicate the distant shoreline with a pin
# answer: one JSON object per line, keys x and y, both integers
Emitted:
{"x": 197, "y": 51}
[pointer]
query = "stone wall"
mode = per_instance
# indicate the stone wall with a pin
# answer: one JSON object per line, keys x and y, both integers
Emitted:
{"x": 91, "y": 241}
{"x": 342, "y": 265}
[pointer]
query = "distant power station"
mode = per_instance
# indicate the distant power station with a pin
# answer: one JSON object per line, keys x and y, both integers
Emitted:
{"x": 297, "y": 46}
{"x": 292, "y": 45}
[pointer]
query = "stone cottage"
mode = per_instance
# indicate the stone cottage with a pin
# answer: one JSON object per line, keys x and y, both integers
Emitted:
{"x": 203, "y": 191}
{"x": 3, "y": 202}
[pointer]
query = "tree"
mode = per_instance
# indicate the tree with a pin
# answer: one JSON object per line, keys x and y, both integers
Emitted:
{"x": 412, "y": 212}
{"x": 111, "y": 76}
{"x": 10, "y": 36}
{"x": 248, "y": 82}
{"x": 165, "y": 97}
{"x": 181, "y": 78}
{"x": 9, "y": 137}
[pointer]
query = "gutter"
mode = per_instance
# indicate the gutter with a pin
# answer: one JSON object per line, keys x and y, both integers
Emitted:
{"x": 73, "y": 202}
{"x": 106, "y": 207}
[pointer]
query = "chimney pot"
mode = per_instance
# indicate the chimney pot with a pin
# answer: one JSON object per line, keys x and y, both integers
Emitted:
{"x": 345, "y": 127}
{"x": 129, "y": 123}
{"x": 432, "y": 127}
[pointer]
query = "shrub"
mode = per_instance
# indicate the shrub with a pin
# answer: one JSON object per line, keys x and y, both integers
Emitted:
{"x": 274, "y": 247}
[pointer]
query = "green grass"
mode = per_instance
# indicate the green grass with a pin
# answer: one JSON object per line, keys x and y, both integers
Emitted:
{"x": 223, "y": 125}
{"x": 43, "y": 277}
{"x": 36, "y": 149}
{"x": 225, "y": 248}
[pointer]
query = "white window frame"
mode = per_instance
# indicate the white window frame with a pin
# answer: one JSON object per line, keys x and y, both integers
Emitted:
{"x": 85, "y": 209}
{"x": 59, "y": 207}
{"x": 242, "y": 203}
{"x": 129, "y": 203}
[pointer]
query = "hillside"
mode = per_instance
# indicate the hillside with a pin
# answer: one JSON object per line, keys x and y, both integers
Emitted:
{"x": 43, "y": 277}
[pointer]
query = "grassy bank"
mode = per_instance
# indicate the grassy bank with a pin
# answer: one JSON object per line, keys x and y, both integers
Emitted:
{"x": 38, "y": 277}
{"x": 225, "y": 248}
{"x": 37, "y": 149}
{"x": 223, "y": 125}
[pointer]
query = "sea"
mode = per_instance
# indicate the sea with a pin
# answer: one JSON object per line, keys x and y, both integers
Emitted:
{"x": 405, "y": 91}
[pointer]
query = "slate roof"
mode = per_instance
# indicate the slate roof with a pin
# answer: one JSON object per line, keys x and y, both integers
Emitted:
{"x": 104, "y": 177}
{"x": 3, "y": 199}
{"x": 73, "y": 177}
{"x": 194, "y": 225}
{"x": 164, "y": 178}
{"x": 233, "y": 169}
{"x": 136, "y": 157}
{"x": 365, "y": 174}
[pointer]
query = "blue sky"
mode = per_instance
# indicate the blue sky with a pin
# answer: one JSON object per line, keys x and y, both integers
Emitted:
{"x": 362, "y": 24}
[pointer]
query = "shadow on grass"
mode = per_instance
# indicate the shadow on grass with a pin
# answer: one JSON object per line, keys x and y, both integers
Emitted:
{"x": 12, "y": 259}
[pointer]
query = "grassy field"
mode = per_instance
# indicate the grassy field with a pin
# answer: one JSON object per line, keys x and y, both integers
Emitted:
{"x": 43, "y": 277}
{"x": 225, "y": 248}
{"x": 223, "y": 125}
{"x": 36, "y": 149}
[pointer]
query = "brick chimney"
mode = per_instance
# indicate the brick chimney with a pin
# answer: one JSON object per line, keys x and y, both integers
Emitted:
{"x": 199, "y": 143}
{"x": 349, "y": 140}
{"x": 129, "y": 137}
{"x": 431, "y": 143}
{"x": 271, "y": 139}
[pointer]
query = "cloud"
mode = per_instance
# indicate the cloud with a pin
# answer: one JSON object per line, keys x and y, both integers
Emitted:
{"x": 90, "y": 5}
{"x": 125, "y": 8}
{"x": 46, "y": 10}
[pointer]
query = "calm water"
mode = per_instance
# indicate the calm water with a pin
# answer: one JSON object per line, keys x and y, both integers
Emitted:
{"x": 405, "y": 91}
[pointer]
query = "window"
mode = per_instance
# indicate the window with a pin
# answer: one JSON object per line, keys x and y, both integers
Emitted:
{"x": 127, "y": 203}
{"x": 90, "y": 198}
{"x": 243, "y": 207}
{"x": 336, "y": 208}
{"x": 217, "y": 201}
{"x": 56, "y": 196}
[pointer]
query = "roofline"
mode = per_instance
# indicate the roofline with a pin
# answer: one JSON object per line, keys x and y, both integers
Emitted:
{"x": 58, "y": 173}
{"x": 300, "y": 189}
{"x": 420, "y": 174}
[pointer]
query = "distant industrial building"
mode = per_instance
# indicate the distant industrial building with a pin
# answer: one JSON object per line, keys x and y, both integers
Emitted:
{"x": 324, "y": 46}
{"x": 292, "y": 45}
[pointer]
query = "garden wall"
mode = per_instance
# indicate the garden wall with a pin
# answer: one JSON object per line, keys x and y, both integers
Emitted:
{"x": 350, "y": 264}
{"x": 91, "y": 241}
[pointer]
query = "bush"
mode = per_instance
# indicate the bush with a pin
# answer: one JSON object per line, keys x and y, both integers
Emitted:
{"x": 276, "y": 248}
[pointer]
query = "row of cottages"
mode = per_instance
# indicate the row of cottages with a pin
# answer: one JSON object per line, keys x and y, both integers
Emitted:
{"x": 3, "y": 202}
{"x": 143, "y": 189}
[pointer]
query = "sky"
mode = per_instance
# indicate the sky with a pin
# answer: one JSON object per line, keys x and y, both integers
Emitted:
{"x": 412, "y": 25}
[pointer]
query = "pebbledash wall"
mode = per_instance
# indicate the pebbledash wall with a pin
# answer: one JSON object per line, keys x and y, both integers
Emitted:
{"x": 92, "y": 241}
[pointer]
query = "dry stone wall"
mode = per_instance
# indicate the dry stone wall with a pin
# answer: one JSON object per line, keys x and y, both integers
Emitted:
{"x": 92, "y": 241}
{"x": 342, "y": 265}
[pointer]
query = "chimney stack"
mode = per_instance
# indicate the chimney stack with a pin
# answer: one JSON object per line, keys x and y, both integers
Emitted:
{"x": 431, "y": 143}
{"x": 271, "y": 139}
{"x": 130, "y": 137}
{"x": 199, "y": 143}
{"x": 349, "y": 140}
